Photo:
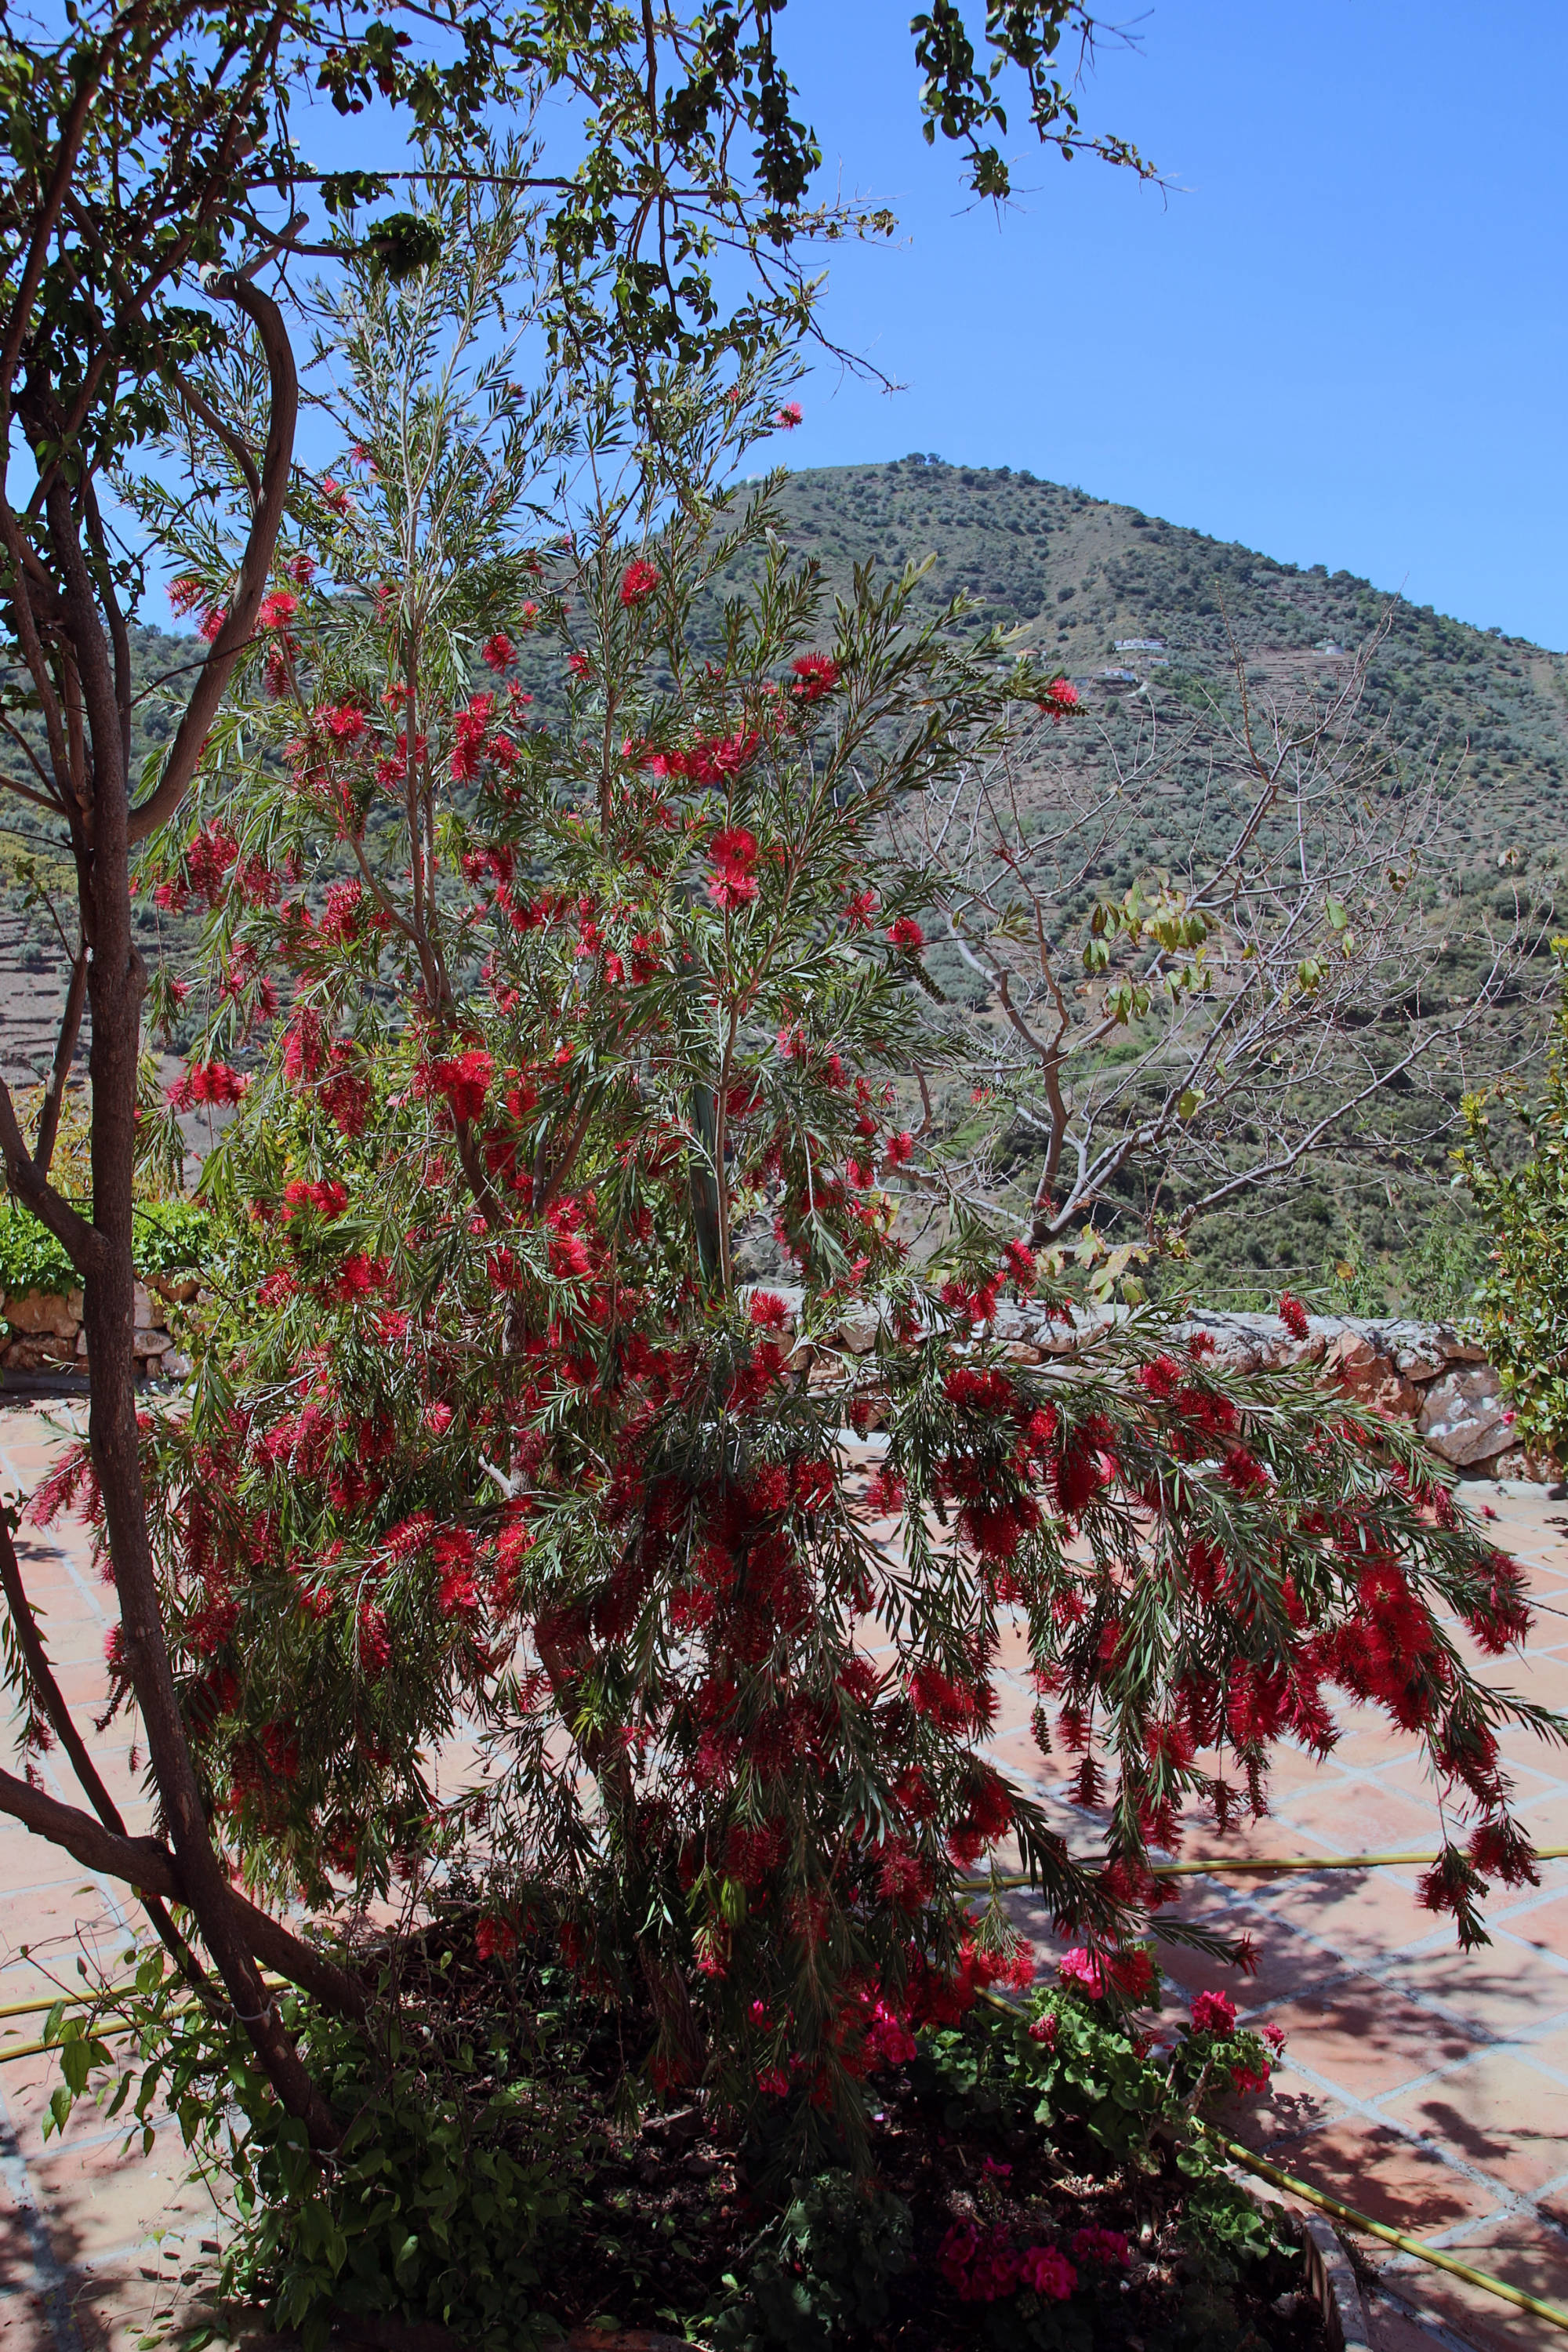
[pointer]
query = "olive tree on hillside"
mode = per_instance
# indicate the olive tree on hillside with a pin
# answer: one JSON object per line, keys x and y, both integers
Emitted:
{"x": 1277, "y": 984}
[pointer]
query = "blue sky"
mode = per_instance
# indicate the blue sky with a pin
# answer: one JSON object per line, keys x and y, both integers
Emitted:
{"x": 1345, "y": 342}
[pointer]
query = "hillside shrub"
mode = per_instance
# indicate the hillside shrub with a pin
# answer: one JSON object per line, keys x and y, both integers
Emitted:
{"x": 1518, "y": 1179}
{"x": 171, "y": 1237}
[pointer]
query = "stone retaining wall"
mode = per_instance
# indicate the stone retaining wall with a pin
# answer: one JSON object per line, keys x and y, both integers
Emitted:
{"x": 1427, "y": 1374}
{"x": 43, "y": 1332}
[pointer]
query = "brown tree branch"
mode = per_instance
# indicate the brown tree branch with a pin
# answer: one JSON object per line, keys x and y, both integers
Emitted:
{"x": 147, "y": 1864}
{"x": 65, "y": 1054}
{"x": 255, "y": 564}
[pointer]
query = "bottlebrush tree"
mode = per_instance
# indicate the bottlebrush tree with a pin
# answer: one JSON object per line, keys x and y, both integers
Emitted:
{"x": 529, "y": 1024}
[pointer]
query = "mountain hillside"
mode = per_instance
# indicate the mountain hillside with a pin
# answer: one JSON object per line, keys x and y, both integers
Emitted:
{"x": 1147, "y": 617}
{"x": 1081, "y": 574}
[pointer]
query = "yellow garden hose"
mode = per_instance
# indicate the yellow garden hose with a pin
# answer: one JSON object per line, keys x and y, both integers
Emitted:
{"x": 86, "y": 2000}
{"x": 1551, "y": 2312}
{"x": 1219, "y": 1866}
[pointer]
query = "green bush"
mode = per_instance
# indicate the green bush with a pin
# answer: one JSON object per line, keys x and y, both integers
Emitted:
{"x": 435, "y": 2206}
{"x": 462, "y": 2150}
{"x": 1522, "y": 1196}
{"x": 171, "y": 1237}
{"x": 819, "y": 2271}
{"x": 30, "y": 1258}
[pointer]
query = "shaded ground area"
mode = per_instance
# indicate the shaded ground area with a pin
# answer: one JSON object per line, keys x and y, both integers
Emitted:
{"x": 1424, "y": 2086}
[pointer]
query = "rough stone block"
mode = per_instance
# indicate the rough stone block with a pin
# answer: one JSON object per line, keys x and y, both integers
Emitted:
{"x": 39, "y": 1311}
{"x": 1464, "y": 1417}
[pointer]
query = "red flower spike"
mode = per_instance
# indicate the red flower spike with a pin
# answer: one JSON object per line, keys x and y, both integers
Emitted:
{"x": 639, "y": 581}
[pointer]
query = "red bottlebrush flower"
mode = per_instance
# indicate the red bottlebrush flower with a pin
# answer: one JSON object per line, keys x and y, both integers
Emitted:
{"x": 1061, "y": 695}
{"x": 305, "y": 1046}
{"x": 1160, "y": 1379}
{"x": 735, "y": 848}
{"x": 987, "y": 1816}
{"x": 947, "y": 1701}
{"x": 329, "y": 1199}
{"x": 734, "y": 854}
{"x": 301, "y": 569}
{"x": 768, "y": 1311}
{"x": 345, "y": 1094}
{"x": 357, "y": 1277}
{"x": 1501, "y": 1849}
{"x": 209, "y": 856}
{"x": 906, "y": 933}
{"x": 277, "y": 1288}
{"x": 497, "y": 652}
{"x": 375, "y": 1640}
{"x": 816, "y": 674}
{"x": 1214, "y": 2012}
{"x": 257, "y": 883}
{"x": 900, "y": 1147}
{"x": 860, "y": 911}
{"x": 494, "y": 1939}
{"x": 1449, "y": 1885}
{"x": 277, "y": 610}
{"x": 1293, "y": 1314}
{"x": 789, "y": 415}
{"x": 207, "y": 1082}
{"x": 458, "y": 1594}
{"x": 579, "y": 665}
{"x": 342, "y": 722}
{"x": 1243, "y": 1471}
{"x": 639, "y": 581}
{"x": 1019, "y": 1262}
{"x": 885, "y": 1494}
{"x": 343, "y": 912}
{"x": 1133, "y": 1972}
{"x": 212, "y": 622}
{"x": 463, "y": 1079}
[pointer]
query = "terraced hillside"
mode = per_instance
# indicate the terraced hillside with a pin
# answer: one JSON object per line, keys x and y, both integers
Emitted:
{"x": 1081, "y": 574}
{"x": 1148, "y": 618}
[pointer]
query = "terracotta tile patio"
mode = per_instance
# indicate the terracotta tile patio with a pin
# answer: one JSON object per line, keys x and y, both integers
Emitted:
{"x": 1424, "y": 2086}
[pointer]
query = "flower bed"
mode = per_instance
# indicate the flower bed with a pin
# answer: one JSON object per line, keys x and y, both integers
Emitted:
{"x": 1037, "y": 2174}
